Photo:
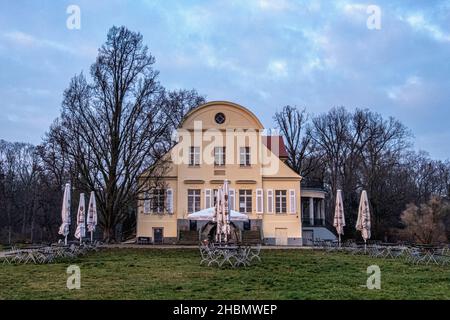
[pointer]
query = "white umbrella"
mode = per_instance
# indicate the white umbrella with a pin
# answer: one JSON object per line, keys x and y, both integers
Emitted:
{"x": 80, "y": 232}
{"x": 237, "y": 216}
{"x": 203, "y": 215}
{"x": 363, "y": 222}
{"x": 92, "y": 215}
{"x": 219, "y": 214}
{"x": 226, "y": 214}
{"x": 339, "y": 217}
{"x": 208, "y": 215}
{"x": 65, "y": 213}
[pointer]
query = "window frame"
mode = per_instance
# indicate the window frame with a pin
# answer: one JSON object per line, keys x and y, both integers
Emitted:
{"x": 196, "y": 200}
{"x": 219, "y": 154}
{"x": 270, "y": 201}
{"x": 157, "y": 200}
{"x": 232, "y": 199}
{"x": 147, "y": 203}
{"x": 292, "y": 201}
{"x": 259, "y": 200}
{"x": 280, "y": 201}
{"x": 169, "y": 201}
{"x": 194, "y": 156}
{"x": 245, "y": 154}
{"x": 246, "y": 196}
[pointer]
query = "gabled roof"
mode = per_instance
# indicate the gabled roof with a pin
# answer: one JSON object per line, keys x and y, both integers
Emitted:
{"x": 268, "y": 141}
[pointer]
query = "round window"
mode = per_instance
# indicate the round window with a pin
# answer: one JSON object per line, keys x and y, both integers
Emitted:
{"x": 220, "y": 118}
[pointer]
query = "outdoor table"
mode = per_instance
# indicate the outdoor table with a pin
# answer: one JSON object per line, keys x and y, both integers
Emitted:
{"x": 222, "y": 254}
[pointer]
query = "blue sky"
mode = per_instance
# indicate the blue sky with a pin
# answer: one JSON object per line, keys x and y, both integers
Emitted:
{"x": 262, "y": 54}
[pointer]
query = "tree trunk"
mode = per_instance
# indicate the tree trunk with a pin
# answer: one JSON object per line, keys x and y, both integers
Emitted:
{"x": 108, "y": 234}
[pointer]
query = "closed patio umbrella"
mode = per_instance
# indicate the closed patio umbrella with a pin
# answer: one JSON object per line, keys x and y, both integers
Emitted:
{"x": 92, "y": 215}
{"x": 363, "y": 222}
{"x": 339, "y": 217}
{"x": 80, "y": 232}
{"x": 65, "y": 214}
{"x": 226, "y": 194}
{"x": 225, "y": 213}
{"x": 219, "y": 214}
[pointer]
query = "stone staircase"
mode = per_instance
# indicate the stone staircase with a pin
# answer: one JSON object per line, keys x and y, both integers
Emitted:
{"x": 188, "y": 237}
{"x": 251, "y": 237}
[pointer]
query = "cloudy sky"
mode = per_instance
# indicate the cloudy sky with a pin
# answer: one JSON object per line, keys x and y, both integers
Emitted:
{"x": 262, "y": 54}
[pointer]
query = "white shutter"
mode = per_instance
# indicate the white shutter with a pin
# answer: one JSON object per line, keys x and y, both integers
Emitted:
{"x": 208, "y": 198}
{"x": 232, "y": 199}
{"x": 169, "y": 194}
{"x": 292, "y": 201}
{"x": 259, "y": 201}
{"x": 270, "y": 201}
{"x": 146, "y": 203}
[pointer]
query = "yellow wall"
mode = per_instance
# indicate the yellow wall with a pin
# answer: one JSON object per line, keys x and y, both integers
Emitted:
{"x": 184, "y": 177}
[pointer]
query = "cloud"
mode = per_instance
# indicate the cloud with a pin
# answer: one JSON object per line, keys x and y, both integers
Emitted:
{"x": 320, "y": 53}
{"x": 406, "y": 91}
{"x": 271, "y": 5}
{"x": 27, "y": 40}
{"x": 418, "y": 22}
{"x": 24, "y": 39}
{"x": 278, "y": 68}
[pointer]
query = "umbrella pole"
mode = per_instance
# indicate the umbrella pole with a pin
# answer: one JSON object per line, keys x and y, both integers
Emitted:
{"x": 365, "y": 246}
{"x": 92, "y": 236}
{"x": 339, "y": 240}
{"x": 65, "y": 240}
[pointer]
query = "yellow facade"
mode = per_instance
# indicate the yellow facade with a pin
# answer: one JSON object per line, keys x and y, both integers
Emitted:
{"x": 250, "y": 167}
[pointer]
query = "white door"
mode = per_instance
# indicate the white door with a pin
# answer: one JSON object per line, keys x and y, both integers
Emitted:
{"x": 281, "y": 238}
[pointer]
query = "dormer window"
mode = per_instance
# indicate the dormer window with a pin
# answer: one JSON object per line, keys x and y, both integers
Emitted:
{"x": 220, "y": 118}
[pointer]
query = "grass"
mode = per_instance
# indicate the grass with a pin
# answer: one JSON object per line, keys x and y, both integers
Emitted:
{"x": 176, "y": 274}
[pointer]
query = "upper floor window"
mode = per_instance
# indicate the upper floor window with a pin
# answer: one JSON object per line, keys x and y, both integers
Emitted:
{"x": 280, "y": 201}
{"x": 219, "y": 156}
{"x": 193, "y": 200}
{"x": 194, "y": 156}
{"x": 245, "y": 201}
{"x": 244, "y": 156}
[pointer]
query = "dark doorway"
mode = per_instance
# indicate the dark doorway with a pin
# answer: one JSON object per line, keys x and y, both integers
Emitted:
{"x": 247, "y": 225}
{"x": 193, "y": 225}
{"x": 158, "y": 235}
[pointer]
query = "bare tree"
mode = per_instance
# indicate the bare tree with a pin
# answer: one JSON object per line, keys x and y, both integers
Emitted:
{"x": 363, "y": 151}
{"x": 424, "y": 224}
{"x": 302, "y": 156}
{"x": 115, "y": 127}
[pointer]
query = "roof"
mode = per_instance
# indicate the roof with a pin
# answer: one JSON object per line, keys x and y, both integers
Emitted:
{"x": 267, "y": 141}
{"x": 223, "y": 103}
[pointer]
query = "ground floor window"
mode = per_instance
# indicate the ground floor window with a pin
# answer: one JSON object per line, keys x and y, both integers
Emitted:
{"x": 245, "y": 201}
{"x": 193, "y": 200}
{"x": 157, "y": 200}
{"x": 280, "y": 201}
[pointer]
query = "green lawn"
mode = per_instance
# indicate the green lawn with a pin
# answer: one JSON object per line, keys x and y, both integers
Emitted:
{"x": 176, "y": 274}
